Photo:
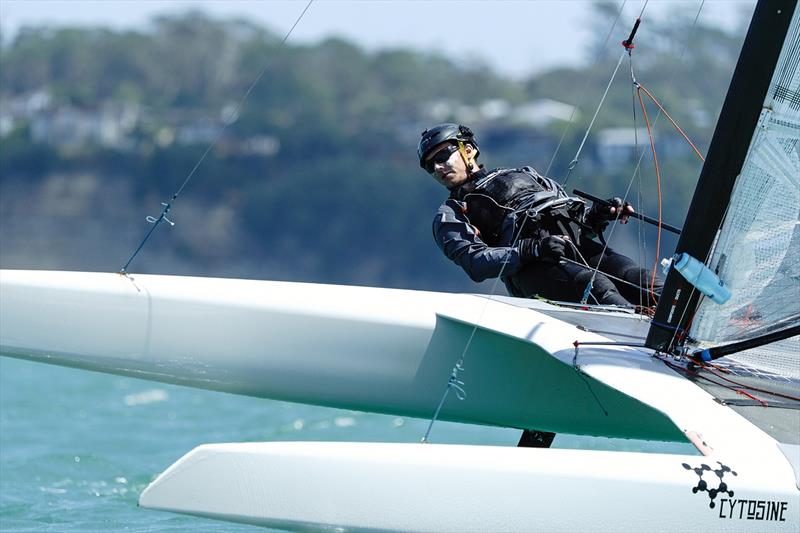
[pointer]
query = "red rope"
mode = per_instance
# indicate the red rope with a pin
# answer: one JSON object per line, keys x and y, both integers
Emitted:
{"x": 716, "y": 371}
{"x": 759, "y": 400}
{"x": 658, "y": 179}
{"x": 675, "y": 124}
{"x": 639, "y": 89}
{"x": 741, "y": 386}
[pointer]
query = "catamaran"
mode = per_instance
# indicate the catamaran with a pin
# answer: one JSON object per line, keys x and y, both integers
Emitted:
{"x": 720, "y": 373}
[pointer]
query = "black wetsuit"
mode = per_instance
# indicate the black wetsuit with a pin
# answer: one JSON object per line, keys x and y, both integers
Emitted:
{"x": 477, "y": 225}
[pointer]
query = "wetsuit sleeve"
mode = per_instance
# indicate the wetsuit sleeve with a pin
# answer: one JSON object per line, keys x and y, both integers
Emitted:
{"x": 460, "y": 241}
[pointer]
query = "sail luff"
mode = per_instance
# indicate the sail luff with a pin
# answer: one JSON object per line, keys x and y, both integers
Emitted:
{"x": 729, "y": 147}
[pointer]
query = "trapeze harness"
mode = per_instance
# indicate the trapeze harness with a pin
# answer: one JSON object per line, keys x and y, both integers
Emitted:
{"x": 539, "y": 205}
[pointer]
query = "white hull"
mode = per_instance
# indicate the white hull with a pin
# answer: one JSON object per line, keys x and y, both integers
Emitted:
{"x": 380, "y": 350}
{"x": 392, "y": 351}
{"x": 421, "y": 487}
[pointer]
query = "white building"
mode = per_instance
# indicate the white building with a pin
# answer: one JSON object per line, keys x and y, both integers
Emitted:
{"x": 72, "y": 128}
{"x": 542, "y": 113}
{"x": 617, "y": 146}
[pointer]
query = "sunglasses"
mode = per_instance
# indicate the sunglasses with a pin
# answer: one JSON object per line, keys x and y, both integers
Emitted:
{"x": 441, "y": 157}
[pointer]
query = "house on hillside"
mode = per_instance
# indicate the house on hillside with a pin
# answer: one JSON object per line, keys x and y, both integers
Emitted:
{"x": 72, "y": 128}
{"x": 616, "y": 147}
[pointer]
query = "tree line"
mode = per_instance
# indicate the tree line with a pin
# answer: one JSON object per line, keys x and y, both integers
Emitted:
{"x": 342, "y": 200}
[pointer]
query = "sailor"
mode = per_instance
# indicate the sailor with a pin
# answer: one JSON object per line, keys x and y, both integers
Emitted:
{"x": 521, "y": 226}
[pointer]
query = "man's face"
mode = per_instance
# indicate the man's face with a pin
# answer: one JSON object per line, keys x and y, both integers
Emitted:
{"x": 451, "y": 171}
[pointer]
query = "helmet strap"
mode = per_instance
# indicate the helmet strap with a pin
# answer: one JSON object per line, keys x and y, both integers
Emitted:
{"x": 463, "y": 153}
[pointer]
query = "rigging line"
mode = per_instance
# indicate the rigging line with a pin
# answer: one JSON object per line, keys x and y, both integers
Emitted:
{"x": 717, "y": 373}
{"x": 588, "y": 292}
{"x": 453, "y": 381}
{"x": 658, "y": 181}
{"x": 681, "y": 337}
{"x": 639, "y": 204}
{"x": 625, "y": 198}
{"x": 574, "y": 161}
{"x": 214, "y": 142}
{"x": 637, "y": 168}
{"x": 675, "y": 124}
{"x": 752, "y": 397}
{"x": 686, "y": 42}
{"x": 584, "y": 90}
{"x": 579, "y": 371}
{"x": 246, "y": 94}
{"x": 628, "y": 46}
{"x": 697, "y": 374}
{"x": 607, "y": 275}
{"x": 628, "y": 344}
{"x": 584, "y": 263}
{"x": 651, "y": 291}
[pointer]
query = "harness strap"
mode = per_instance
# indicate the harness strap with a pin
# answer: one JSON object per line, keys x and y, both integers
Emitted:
{"x": 463, "y": 152}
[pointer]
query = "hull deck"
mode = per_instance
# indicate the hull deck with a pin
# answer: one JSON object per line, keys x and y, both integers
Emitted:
{"x": 377, "y": 350}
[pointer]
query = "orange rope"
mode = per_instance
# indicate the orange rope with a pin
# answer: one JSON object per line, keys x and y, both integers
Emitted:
{"x": 675, "y": 124}
{"x": 752, "y": 397}
{"x": 658, "y": 179}
{"x": 740, "y": 390}
{"x": 696, "y": 151}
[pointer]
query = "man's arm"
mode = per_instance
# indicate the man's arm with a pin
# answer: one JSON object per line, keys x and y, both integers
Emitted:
{"x": 461, "y": 242}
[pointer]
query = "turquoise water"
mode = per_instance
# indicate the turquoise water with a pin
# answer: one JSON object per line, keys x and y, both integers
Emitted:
{"x": 77, "y": 448}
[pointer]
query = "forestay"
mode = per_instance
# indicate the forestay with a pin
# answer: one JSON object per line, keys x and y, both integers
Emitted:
{"x": 757, "y": 253}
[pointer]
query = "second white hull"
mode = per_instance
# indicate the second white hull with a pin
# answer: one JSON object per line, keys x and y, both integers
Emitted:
{"x": 424, "y": 487}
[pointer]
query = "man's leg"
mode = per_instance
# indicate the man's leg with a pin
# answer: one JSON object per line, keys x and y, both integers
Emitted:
{"x": 546, "y": 281}
{"x": 566, "y": 282}
{"x": 603, "y": 291}
{"x": 635, "y": 287}
{"x": 640, "y": 280}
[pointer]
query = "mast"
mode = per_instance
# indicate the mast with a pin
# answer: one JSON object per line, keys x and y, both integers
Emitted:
{"x": 726, "y": 155}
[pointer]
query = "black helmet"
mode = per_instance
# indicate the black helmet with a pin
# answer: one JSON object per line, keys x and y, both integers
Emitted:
{"x": 442, "y": 133}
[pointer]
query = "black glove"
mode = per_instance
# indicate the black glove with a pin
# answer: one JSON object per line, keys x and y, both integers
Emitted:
{"x": 548, "y": 250}
{"x": 600, "y": 213}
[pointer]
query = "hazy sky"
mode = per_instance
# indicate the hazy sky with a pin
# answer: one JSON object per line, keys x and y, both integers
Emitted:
{"x": 515, "y": 37}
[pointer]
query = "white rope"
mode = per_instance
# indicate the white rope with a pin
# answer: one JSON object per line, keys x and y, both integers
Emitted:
{"x": 574, "y": 161}
{"x": 585, "y": 88}
{"x": 453, "y": 380}
{"x": 168, "y": 205}
{"x": 644, "y": 150}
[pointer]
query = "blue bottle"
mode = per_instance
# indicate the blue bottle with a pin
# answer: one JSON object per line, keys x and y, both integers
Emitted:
{"x": 701, "y": 277}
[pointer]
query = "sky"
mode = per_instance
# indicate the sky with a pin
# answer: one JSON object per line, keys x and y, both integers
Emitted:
{"x": 516, "y": 38}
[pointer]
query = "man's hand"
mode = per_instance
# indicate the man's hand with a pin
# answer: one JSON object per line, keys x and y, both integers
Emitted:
{"x": 621, "y": 210}
{"x": 548, "y": 250}
{"x": 613, "y": 208}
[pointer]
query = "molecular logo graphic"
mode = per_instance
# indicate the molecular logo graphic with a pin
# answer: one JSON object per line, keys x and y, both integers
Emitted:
{"x": 702, "y": 484}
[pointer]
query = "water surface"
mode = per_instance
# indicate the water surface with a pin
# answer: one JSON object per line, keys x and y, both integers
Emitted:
{"x": 77, "y": 447}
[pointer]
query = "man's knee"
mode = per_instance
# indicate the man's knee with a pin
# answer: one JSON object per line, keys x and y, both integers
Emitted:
{"x": 602, "y": 289}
